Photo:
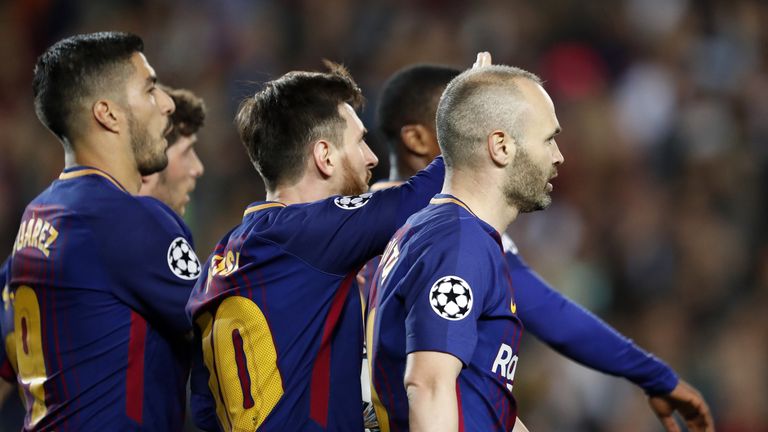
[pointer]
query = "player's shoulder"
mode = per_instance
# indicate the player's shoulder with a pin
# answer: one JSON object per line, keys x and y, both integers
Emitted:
{"x": 167, "y": 219}
{"x": 274, "y": 219}
{"x": 456, "y": 226}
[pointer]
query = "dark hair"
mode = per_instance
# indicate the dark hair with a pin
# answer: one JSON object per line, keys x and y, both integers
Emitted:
{"x": 474, "y": 104}
{"x": 279, "y": 122}
{"x": 189, "y": 115}
{"x": 75, "y": 69}
{"x": 410, "y": 96}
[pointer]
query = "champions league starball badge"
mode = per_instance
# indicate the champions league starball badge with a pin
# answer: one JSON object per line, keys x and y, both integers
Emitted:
{"x": 182, "y": 259}
{"x": 352, "y": 202}
{"x": 451, "y": 298}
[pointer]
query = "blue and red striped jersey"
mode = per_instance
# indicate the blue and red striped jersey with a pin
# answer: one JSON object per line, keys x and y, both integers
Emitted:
{"x": 443, "y": 285}
{"x": 279, "y": 311}
{"x": 98, "y": 282}
{"x": 7, "y": 369}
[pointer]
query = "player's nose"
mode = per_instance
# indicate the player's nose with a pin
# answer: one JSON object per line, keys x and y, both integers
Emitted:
{"x": 197, "y": 166}
{"x": 370, "y": 157}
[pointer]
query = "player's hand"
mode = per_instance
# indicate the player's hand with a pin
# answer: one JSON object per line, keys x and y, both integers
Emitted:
{"x": 687, "y": 401}
{"x": 483, "y": 59}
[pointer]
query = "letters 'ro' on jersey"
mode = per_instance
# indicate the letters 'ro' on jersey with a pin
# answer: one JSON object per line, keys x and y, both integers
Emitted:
{"x": 443, "y": 285}
{"x": 98, "y": 284}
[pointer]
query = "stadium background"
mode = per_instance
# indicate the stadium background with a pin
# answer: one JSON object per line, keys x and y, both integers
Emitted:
{"x": 659, "y": 215}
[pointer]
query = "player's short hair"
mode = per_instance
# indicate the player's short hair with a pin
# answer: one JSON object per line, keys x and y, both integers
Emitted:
{"x": 189, "y": 115}
{"x": 76, "y": 69}
{"x": 474, "y": 104}
{"x": 279, "y": 122}
{"x": 410, "y": 97}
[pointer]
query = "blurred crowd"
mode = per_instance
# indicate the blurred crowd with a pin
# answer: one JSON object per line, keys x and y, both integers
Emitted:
{"x": 659, "y": 216}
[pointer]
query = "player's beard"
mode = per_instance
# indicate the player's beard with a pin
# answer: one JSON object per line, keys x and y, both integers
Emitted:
{"x": 352, "y": 183}
{"x": 149, "y": 153}
{"x": 526, "y": 185}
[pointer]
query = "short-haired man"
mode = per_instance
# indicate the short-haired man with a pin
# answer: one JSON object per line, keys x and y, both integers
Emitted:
{"x": 406, "y": 120}
{"x": 99, "y": 277}
{"x": 444, "y": 280}
{"x": 278, "y": 308}
{"x": 174, "y": 184}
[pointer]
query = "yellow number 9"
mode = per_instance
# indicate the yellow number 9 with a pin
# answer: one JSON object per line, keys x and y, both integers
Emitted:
{"x": 29, "y": 348}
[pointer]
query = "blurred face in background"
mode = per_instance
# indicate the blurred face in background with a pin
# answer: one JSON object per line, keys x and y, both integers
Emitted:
{"x": 175, "y": 183}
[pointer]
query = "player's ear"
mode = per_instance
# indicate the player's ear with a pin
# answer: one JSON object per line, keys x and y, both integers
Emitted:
{"x": 104, "y": 113}
{"x": 322, "y": 157}
{"x": 417, "y": 138}
{"x": 501, "y": 148}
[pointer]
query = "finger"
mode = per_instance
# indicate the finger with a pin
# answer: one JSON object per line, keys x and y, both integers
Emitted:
{"x": 483, "y": 59}
{"x": 669, "y": 423}
{"x": 488, "y": 59}
{"x": 478, "y": 61}
{"x": 702, "y": 423}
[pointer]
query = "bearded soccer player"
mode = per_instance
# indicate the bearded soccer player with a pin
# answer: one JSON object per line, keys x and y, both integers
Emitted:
{"x": 174, "y": 184}
{"x": 278, "y": 308}
{"x": 406, "y": 120}
{"x": 444, "y": 310}
{"x": 99, "y": 277}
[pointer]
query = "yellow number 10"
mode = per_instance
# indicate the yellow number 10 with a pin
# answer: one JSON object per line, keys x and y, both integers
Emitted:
{"x": 242, "y": 361}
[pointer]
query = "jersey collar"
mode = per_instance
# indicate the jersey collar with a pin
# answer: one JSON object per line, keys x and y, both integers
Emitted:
{"x": 261, "y": 206}
{"x": 450, "y": 199}
{"x": 80, "y": 171}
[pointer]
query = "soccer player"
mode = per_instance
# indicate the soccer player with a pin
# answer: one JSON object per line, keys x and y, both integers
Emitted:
{"x": 174, "y": 184}
{"x": 443, "y": 296}
{"x": 99, "y": 277}
{"x": 406, "y": 120}
{"x": 278, "y": 306}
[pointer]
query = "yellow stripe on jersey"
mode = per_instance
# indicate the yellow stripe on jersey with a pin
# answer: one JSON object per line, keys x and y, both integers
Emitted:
{"x": 205, "y": 323}
{"x": 450, "y": 201}
{"x": 381, "y": 412}
{"x": 85, "y": 172}
{"x": 250, "y": 210}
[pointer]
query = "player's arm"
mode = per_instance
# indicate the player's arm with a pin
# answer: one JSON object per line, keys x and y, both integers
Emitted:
{"x": 581, "y": 336}
{"x": 201, "y": 402}
{"x": 147, "y": 267}
{"x": 430, "y": 383}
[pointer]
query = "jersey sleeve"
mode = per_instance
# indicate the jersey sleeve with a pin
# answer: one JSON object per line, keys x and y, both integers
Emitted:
{"x": 444, "y": 293}
{"x": 151, "y": 259}
{"x": 344, "y": 232}
{"x": 201, "y": 402}
{"x": 580, "y": 335}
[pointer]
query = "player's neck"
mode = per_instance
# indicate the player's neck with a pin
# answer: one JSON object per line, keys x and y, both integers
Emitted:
{"x": 119, "y": 166}
{"x": 301, "y": 192}
{"x": 487, "y": 203}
